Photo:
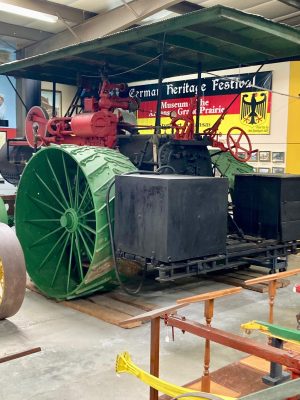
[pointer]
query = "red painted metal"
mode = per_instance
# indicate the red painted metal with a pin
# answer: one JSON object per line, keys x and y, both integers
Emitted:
{"x": 36, "y": 126}
{"x": 239, "y": 151}
{"x": 288, "y": 358}
{"x": 185, "y": 131}
{"x": 296, "y": 288}
{"x": 95, "y": 126}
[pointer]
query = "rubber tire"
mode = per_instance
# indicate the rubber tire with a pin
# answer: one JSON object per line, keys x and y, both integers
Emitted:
{"x": 13, "y": 264}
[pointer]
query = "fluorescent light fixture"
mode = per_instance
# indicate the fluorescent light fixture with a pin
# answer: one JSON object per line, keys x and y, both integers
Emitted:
{"x": 26, "y": 12}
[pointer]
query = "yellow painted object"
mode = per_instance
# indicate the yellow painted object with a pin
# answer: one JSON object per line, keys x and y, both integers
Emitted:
{"x": 293, "y": 138}
{"x": 288, "y": 335}
{"x": 125, "y": 364}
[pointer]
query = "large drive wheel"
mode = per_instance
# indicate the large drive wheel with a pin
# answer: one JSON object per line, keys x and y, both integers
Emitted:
{"x": 61, "y": 218}
{"x": 12, "y": 273}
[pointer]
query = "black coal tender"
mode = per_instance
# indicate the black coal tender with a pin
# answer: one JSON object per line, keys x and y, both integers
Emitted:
{"x": 169, "y": 218}
{"x": 268, "y": 205}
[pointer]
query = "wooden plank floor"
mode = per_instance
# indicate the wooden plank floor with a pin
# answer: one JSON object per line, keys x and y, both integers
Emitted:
{"x": 115, "y": 307}
{"x": 112, "y": 308}
{"x": 237, "y": 277}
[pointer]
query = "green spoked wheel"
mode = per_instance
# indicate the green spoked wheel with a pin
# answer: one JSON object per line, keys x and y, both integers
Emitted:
{"x": 61, "y": 218}
{"x": 3, "y": 212}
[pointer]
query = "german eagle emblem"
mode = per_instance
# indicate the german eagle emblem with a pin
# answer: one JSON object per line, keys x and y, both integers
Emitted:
{"x": 253, "y": 108}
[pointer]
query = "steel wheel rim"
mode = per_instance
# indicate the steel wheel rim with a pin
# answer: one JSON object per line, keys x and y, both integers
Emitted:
{"x": 1, "y": 282}
{"x": 61, "y": 220}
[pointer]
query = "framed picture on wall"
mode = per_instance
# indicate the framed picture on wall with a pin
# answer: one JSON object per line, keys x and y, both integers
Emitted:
{"x": 278, "y": 170}
{"x": 264, "y": 170}
{"x": 278, "y": 156}
{"x": 254, "y": 157}
{"x": 265, "y": 156}
{"x": 241, "y": 155}
{"x": 47, "y": 102}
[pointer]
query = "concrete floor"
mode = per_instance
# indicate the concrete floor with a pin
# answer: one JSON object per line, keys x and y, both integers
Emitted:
{"x": 78, "y": 351}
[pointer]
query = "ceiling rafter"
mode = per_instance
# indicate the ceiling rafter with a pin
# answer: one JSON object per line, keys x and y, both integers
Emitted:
{"x": 22, "y": 32}
{"x": 67, "y": 13}
{"x": 112, "y": 21}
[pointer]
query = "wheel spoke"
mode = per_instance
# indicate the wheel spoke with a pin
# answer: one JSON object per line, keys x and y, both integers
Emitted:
{"x": 51, "y": 251}
{"x": 45, "y": 237}
{"x": 76, "y": 196}
{"x": 87, "y": 228}
{"x": 83, "y": 197}
{"x": 44, "y": 204}
{"x": 88, "y": 251}
{"x": 49, "y": 190}
{"x": 60, "y": 258}
{"x": 78, "y": 255}
{"x": 89, "y": 238}
{"x": 70, "y": 262}
{"x": 239, "y": 138}
{"x": 67, "y": 180}
{"x": 57, "y": 183}
{"x": 88, "y": 205}
{"x": 43, "y": 220}
{"x": 87, "y": 213}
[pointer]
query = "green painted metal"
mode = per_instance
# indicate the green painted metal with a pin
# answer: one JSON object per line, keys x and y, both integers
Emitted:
{"x": 228, "y": 166}
{"x": 3, "y": 212}
{"x": 281, "y": 332}
{"x": 61, "y": 218}
{"x": 278, "y": 392}
{"x": 220, "y": 37}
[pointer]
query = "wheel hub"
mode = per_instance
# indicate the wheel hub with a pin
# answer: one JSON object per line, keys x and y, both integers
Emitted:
{"x": 69, "y": 220}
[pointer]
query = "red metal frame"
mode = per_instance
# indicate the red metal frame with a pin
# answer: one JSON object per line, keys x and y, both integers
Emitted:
{"x": 186, "y": 132}
{"x": 95, "y": 126}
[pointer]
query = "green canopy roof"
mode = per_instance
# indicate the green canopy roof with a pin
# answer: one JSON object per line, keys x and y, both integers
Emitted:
{"x": 215, "y": 38}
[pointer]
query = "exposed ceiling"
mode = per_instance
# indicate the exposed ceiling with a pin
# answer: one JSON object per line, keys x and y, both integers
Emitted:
{"x": 81, "y": 20}
{"x": 211, "y": 38}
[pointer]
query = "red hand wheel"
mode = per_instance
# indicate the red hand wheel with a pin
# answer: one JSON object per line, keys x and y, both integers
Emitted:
{"x": 184, "y": 131}
{"x": 238, "y": 151}
{"x": 36, "y": 126}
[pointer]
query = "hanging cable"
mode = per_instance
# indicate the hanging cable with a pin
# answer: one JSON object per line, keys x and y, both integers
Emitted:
{"x": 228, "y": 78}
{"x": 17, "y": 93}
{"x": 134, "y": 69}
{"x": 112, "y": 241}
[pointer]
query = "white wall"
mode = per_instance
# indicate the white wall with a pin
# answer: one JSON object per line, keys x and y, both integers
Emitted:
{"x": 67, "y": 91}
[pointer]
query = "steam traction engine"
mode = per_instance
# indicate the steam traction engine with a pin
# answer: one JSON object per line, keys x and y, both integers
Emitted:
{"x": 65, "y": 206}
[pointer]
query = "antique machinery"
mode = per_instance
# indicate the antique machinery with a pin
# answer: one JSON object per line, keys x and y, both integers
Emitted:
{"x": 184, "y": 127}
{"x": 61, "y": 202}
{"x": 61, "y": 218}
{"x": 68, "y": 252}
{"x": 12, "y": 273}
{"x": 95, "y": 126}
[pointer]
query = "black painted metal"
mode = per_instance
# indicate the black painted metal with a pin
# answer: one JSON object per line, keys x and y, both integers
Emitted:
{"x": 268, "y": 205}
{"x": 239, "y": 252}
{"x": 276, "y": 375}
{"x": 198, "y": 99}
{"x": 169, "y": 217}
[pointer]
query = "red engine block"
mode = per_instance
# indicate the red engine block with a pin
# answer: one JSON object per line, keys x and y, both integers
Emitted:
{"x": 95, "y": 126}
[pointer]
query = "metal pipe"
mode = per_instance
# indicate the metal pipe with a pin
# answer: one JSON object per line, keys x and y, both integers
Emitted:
{"x": 160, "y": 79}
{"x": 198, "y": 98}
{"x": 53, "y": 99}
